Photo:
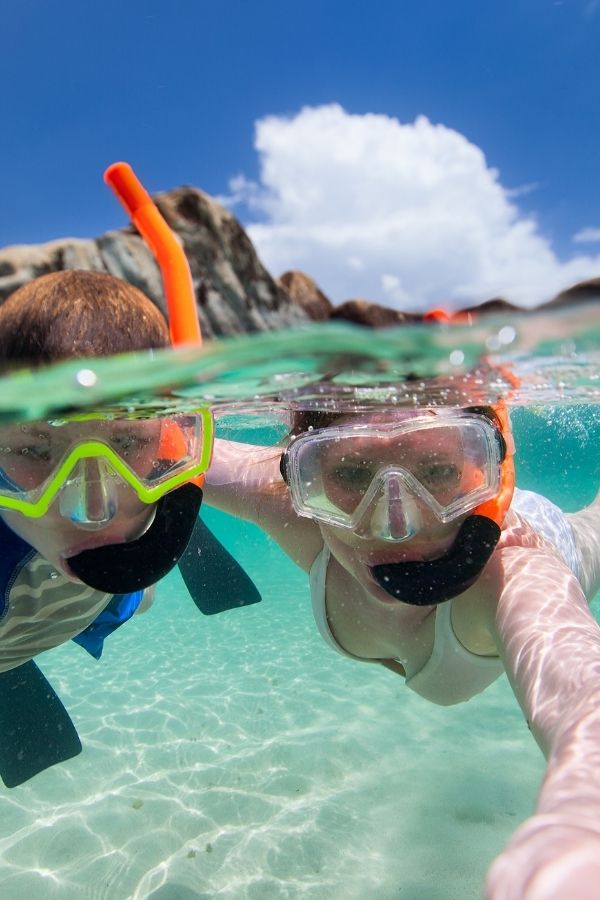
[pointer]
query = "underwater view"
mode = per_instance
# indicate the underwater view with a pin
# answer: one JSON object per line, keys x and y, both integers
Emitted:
{"x": 299, "y": 451}
{"x": 236, "y": 755}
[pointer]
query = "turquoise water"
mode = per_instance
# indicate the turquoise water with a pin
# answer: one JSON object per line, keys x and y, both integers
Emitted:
{"x": 237, "y": 756}
{"x": 556, "y": 359}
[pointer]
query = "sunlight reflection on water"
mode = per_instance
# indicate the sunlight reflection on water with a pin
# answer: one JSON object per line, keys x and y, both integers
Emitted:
{"x": 551, "y": 359}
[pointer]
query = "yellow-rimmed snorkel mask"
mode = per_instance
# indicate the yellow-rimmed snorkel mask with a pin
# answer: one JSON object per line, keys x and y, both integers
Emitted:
{"x": 82, "y": 459}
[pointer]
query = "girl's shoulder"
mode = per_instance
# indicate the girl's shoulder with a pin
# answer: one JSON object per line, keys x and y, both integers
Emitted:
{"x": 534, "y": 521}
{"x": 517, "y": 531}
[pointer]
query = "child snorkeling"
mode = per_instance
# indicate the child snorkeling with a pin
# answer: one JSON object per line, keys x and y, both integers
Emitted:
{"x": 423, "y": 557}
{"x": 96, "y": 507}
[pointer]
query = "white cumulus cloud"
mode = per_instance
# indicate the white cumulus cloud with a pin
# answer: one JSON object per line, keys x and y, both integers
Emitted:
{"x": 409, "y": 215}
{"x": 587, "y": 236}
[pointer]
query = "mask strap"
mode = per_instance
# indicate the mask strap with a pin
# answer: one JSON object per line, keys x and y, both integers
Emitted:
{"x": 496, "y": 508}
{"x": 283, "y": 466}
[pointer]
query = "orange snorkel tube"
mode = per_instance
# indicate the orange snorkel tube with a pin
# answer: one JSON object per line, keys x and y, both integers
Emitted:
{"x": 184, "y": 326}
{"x": 176, "y": 535}
{"x": 166, "y": 249}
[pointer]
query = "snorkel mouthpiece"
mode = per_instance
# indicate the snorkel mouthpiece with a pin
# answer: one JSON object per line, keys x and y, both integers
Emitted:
{"x": 425, "y": 583}
{"x": 123, "y": 568}
{"x": 429, "y": 583}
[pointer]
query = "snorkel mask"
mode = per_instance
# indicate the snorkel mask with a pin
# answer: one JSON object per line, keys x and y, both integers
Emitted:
{"x": 424, "y": 583}
{"x": 80, "y": 460}
{"x": 381, "y": 481}
{"x": 83, "y": 462}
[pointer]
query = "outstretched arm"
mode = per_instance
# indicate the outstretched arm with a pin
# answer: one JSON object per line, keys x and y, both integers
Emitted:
{"x": 550, "y": 644}
{"x": 240, "y": 476}
{"x": 245, "y": 480}
{"x": 586, "y": 528}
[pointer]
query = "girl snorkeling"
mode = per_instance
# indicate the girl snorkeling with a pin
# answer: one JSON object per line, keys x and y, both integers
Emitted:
{"x": 423, "y": 557}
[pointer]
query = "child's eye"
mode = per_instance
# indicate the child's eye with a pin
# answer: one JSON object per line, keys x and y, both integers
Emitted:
{"x": 127, "y": 442}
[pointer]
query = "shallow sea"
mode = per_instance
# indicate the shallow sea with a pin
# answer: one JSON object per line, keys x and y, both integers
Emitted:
{"x": 237, "y": 756}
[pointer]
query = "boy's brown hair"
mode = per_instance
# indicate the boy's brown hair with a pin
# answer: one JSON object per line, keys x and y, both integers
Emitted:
{"x": 76, "y": 313}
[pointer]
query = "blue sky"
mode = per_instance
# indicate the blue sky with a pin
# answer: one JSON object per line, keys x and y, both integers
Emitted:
{"x": 409, "y": 152}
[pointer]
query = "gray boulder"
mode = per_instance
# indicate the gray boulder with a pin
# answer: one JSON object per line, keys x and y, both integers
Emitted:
{"x": 234, "y": 292}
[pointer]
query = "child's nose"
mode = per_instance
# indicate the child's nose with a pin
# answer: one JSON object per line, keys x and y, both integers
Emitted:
{"x": 100, "y": 506}
{"x": 89, "y": 498}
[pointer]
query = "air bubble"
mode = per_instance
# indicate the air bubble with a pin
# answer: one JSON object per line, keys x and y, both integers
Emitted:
{"x": 86, "y": 378}
{"x": 457, "y": 358}
{"x": 507, "y": 334}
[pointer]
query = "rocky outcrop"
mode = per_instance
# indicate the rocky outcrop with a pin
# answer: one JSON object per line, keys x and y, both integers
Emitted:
{"x": 494, "y": 307}
{"x": 235, "y": 293}
{"x": 582, "y": 292}
{"x": 363, "y": 312}
{"x": 303, "y": 291}
{"x": 373, "y": 315}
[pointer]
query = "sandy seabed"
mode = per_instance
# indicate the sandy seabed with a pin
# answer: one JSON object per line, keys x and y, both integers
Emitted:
{"x": 237, "y": 756}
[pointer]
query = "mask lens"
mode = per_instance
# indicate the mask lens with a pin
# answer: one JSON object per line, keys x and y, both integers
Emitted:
{"x": 450, "y": 465}
{"x": 28, "y": 456}
{"x": 177, "y": 446}
{"x": 38, "y": 459}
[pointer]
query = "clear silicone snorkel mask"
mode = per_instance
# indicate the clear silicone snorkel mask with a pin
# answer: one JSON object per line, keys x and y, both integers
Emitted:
{"x": 385, "y": 481}
{"x": 356, "y": 479}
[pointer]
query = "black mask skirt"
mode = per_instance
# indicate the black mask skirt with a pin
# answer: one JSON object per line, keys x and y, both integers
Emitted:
{"x": 132, "y": 566}
{"x": 429, "y": 583}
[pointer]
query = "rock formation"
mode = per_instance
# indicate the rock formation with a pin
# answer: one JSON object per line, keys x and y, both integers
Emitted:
{"x": 234, "y": 291}
{"x": 304, "y": 292}
{"x": 363, "y": 312}
{"x": 582, "y": 292}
